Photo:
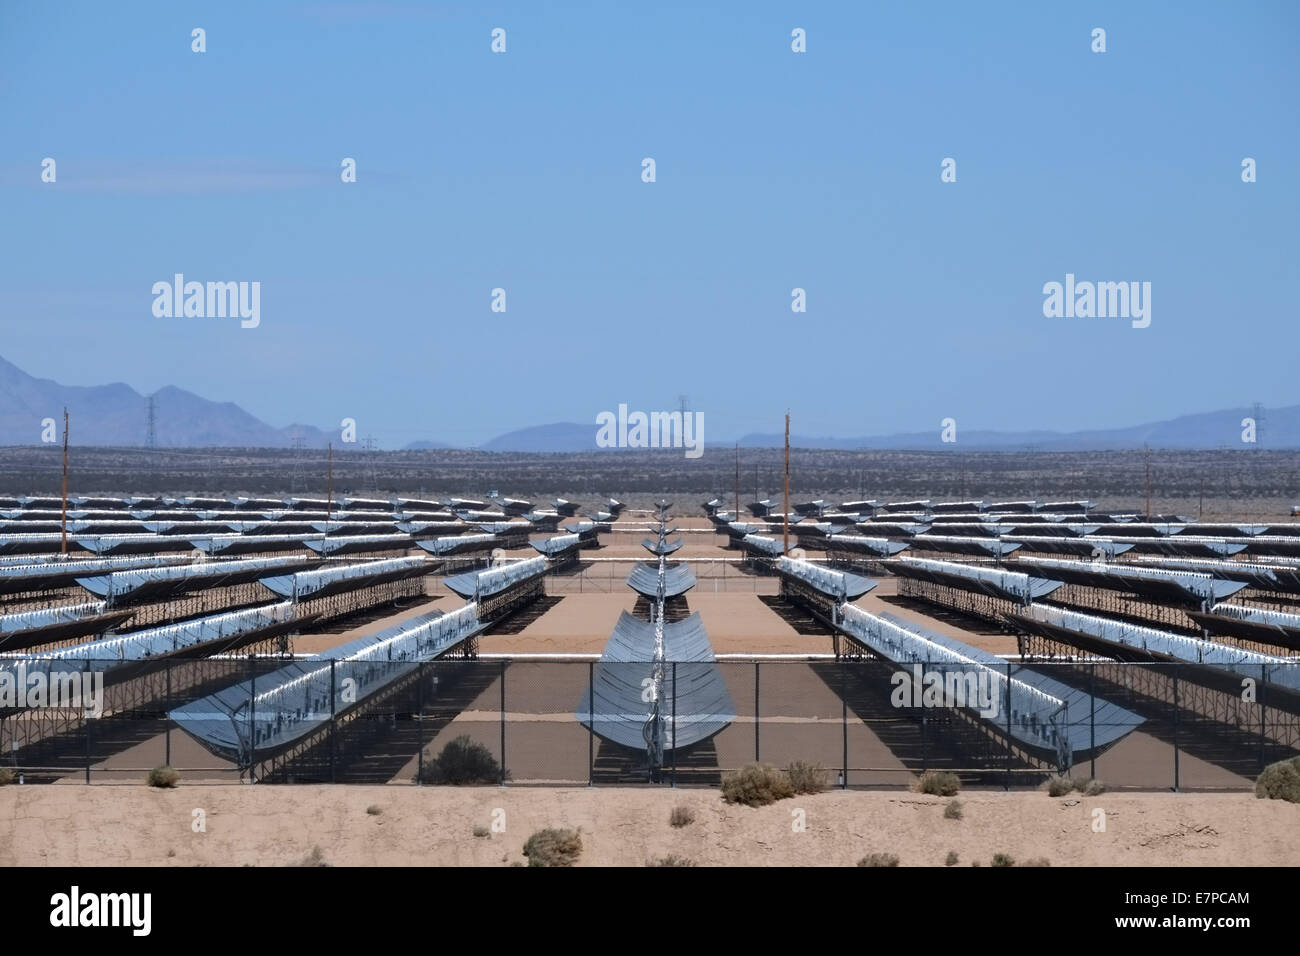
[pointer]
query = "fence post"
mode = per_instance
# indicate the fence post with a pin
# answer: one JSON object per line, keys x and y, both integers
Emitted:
{"x": 333, "y": 710}
{"x": 86, "y": 723}
{"x": 674, "y": 774}
{"x": 1259, "y": 702}
{"x": 1177, "y": 721}
{"x": 1092, "y": 720}
{"x": 1006, "y": 785}
{"x": 167, "y": 726}
{"x": 419, "y": 716}
{"x": 252, "y": 718}
{"x": 503, "y": 722}
{"x": 844, "y": 725}
{"x": 756, "y": 711}
{"x": 591, "y": 723}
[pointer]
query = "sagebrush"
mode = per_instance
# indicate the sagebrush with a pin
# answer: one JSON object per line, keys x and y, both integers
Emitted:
{"x": 1280, "y": 781}
{"x": 756, "y": 785}
{"x": 553, "y": 847}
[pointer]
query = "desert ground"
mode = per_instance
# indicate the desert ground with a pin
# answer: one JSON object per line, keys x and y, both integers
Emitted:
{"x": 434, "y": 826}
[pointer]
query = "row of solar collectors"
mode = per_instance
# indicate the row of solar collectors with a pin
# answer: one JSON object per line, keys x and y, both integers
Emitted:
{"x": 1037, "y": 703}
{"x": 926, "y": 507}
{"x": 1158, "y": 606}
{"x": 129, "y": 597}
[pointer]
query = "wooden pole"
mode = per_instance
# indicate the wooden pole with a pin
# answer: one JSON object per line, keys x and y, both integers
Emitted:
{"x": 65, "y": 483}
{"x": 737, "y": 518}
{"x": 785, "y": 518}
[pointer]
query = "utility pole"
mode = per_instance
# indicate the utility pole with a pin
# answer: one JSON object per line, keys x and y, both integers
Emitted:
{"x": 785, "y": 518}
{"x": 65, "y": 482}
{"x": 737, "y": 481}
{"x": 1148, "y": 458}
{"x": 329, "y": 487}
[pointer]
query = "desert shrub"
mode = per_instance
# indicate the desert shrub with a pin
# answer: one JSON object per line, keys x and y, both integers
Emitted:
{"x": 463, "y": 762}
{"x": 953, "y": 810}
{"x": 1280, "y": 781}
{"x": 1059, "y": 786}
{"x": 374, "y": 809}
{"x": 806, "y": 777}
{"x": 552, "y": 847}
{"x": 681, "y": 816}
{"x": 6, "y": 776}
{"x": 315, "y": 858}
{"x": 671, "y": 860}
{"x": 878, "y": 859}
{"x": 163, "y": 776}
{"x": 950, "y": 859}
{"x": 481, "y": 831}
{"x": 939, "y": 783}
{"x": 1090, "y": 788}
{"x": 1003, "y": 859}
{"x": 1037, "y": 861}
{"x": 756, "y": 785}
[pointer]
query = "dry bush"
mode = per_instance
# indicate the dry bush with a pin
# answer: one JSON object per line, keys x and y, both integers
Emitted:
{"x": 1059, "y": 786}
{"x": 938, "y": 783}
{"x": 806, "y": 777}
{"x": 671, "y": 860}
{"x": 1003, "y": 859}
{"x": 950, "y": 859}
{"x": 681, "y": 816}
{"x": 551, "y": 847}
{"x": 756, "y": 785}
{"x": 878, "y": 859}
{"x": 953, "y": 811}
{"x": 164, "y": 777}
{"x": 1280, "y": 781}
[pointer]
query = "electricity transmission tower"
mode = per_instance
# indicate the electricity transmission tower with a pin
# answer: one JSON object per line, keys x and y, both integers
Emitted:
{"x": 371, "y": 471}
{"x": 151, "y": 435}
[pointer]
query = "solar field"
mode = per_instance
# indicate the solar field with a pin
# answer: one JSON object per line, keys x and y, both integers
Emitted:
{"x": 295, "y": 640}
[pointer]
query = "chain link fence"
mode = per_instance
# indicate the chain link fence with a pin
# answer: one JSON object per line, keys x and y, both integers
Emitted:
{"x": 1196, "y": 728}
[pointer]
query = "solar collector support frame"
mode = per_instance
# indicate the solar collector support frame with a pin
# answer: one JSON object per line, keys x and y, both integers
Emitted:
{"x": 141, "y": 669}
{"x": 1033, "y": 709}
{"x": 59, "y": 625}
{"x": 502, "y": 590}
{"x": 820, "y": 590}
{"x": 1211, "y": 691}
{"x": 982, "y": 592}
{"x": 254, "y": 720}
{"x": 338, "y": 591}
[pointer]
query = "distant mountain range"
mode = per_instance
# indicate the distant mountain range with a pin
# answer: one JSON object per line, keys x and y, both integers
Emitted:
{"x": 117, "y": 414}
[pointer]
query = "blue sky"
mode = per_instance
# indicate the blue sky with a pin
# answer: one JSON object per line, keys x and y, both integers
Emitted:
{"x": 774, "y": 170}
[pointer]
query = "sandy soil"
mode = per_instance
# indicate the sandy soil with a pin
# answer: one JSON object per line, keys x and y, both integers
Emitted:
{"x": 264, "y": 826}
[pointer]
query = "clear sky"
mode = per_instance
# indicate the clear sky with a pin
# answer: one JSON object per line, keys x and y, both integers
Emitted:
{"x": 775, "y": 170}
